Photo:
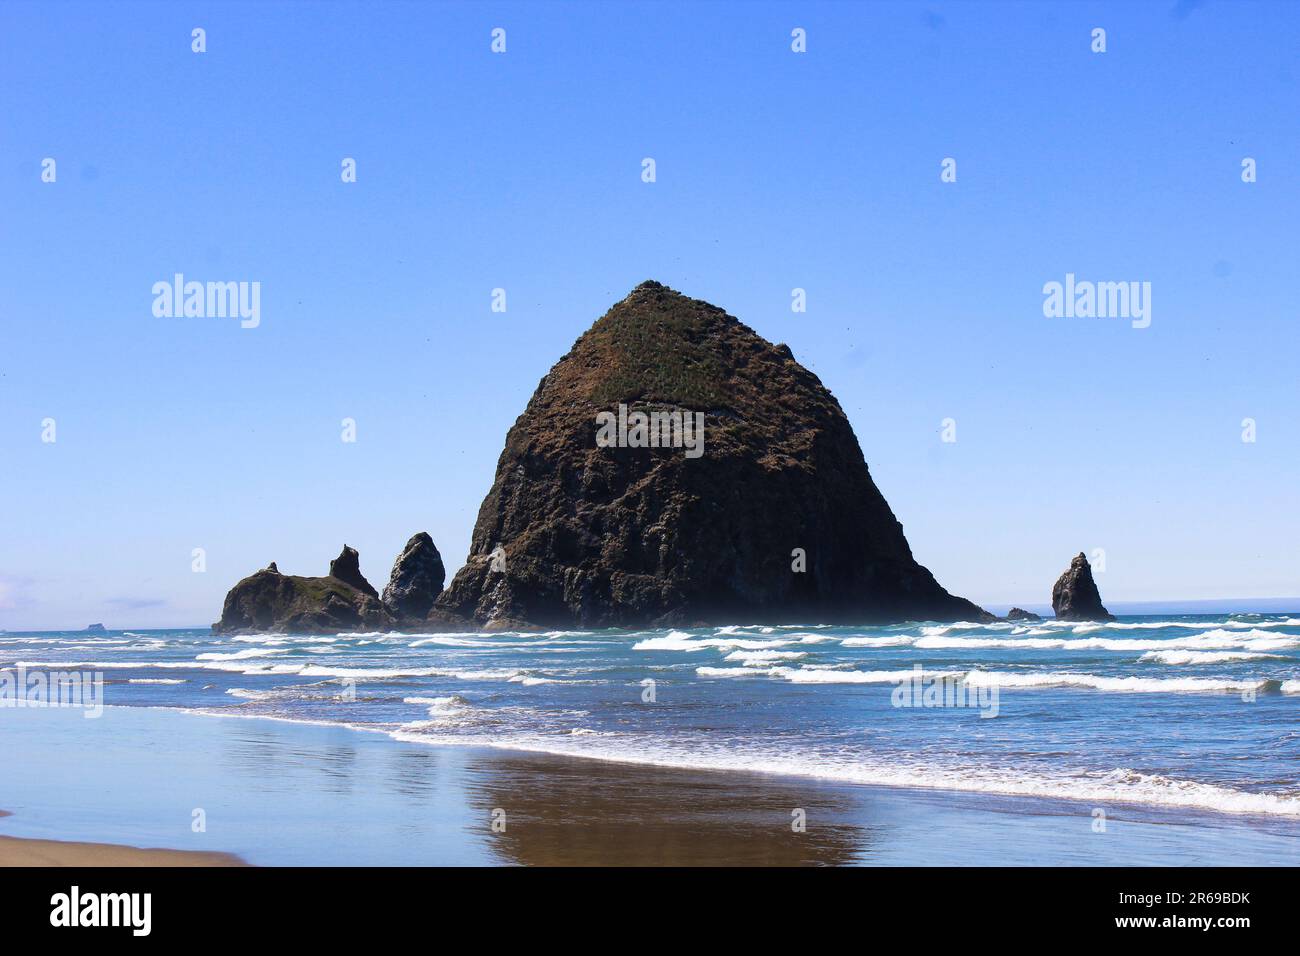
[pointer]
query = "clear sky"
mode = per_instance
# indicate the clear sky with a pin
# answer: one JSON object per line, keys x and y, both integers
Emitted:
{"x": 522, "y": 171}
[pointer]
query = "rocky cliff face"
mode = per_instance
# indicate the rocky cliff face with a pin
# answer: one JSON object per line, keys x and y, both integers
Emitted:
{"x": 416, "y": 580}
{"x": 773, "y": 518}
{"x": 1075, "y": 596}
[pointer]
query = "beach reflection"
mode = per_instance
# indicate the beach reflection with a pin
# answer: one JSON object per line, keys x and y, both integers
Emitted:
{"x": 569, "y": 812}
{"x": 270, "y": 761}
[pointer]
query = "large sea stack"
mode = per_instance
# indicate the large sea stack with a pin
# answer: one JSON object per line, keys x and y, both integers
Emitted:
{"x": 776, "y": 520}
{"x": 1075, "y": 596}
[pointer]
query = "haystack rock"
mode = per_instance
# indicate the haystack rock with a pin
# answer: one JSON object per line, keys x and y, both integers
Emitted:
{"x": 772, "y": 517}
{"x": 289, "y": 604}
{"x": 1075, "y": 596}
{"x": 416, "y": 580}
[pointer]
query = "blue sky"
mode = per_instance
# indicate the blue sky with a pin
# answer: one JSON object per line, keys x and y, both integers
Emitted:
{"x": 775, "y": 170}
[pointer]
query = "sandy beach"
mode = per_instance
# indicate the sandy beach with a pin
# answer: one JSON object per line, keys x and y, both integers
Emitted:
{"x": 18, "y": 852}
{"x": 15, "y": 851}
{"x": 273, "y": 792}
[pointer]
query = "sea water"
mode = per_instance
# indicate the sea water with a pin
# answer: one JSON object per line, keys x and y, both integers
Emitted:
{"x": 1193, "y": 712}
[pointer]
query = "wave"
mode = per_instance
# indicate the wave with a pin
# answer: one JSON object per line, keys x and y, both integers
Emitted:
{"x": 1086, "y": 627}
{"x": 1005, "y": 680}
{"x": 277, "y": 641}
{"x": 241, "y": 655}
{"x": 1155, "y": 685}
{"x": 682, "y": 641}
{"x": 1202, "y": 657}
{"x": 901, "y": 640}
{"x": 1122, "y": 785}
{"x": 939, "y": 629}
{"x": 439, "y": 708}
{"x": 819, "y": 675}
{"x": 244, "y": 694}
{"x": 760, "y": 658}
{"x": 1216, "y": 638}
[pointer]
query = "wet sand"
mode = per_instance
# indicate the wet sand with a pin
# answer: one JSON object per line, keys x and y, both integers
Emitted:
{"x": 278, "y": 793}
{"x": 18, "y": 852}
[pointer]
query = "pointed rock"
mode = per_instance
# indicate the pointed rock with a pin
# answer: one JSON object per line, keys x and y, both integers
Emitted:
{"x": 416, "y": 580}
{"x": 773, "y": 517}
{"x": 1075, "y": 596}
{"x": 347, "y": 568}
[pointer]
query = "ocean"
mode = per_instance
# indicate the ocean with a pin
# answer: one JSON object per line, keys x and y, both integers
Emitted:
{"x": 1197, "y": 714}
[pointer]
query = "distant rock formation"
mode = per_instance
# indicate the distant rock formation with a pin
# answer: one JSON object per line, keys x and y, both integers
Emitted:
{"x": 1020, "y": 614}
{"x": 769, "y": 514}
{"x": 1075, "y": 596}
{"x": 284, "y": 603}
{"x": 416, "y": 580}
{"x": 344, "y": 600}
{"x": 95, "y": 629}
{"x": 347, "y": 568}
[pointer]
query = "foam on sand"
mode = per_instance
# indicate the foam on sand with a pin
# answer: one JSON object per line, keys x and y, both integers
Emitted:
{"x": 1121, "y": 784}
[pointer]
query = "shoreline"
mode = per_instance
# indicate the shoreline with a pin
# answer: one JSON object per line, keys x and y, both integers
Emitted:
{"x": 285, "y": 792}
{"x": 1152, "y": 807}
{"x": 28, "y": 851}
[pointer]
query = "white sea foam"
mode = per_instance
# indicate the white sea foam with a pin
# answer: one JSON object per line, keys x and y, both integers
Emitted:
{"x": 156, "y": 680}
{"x": 809, "y": 675}
{"x": 825, "y": 674}
{"x": 832, "y": 674}
{"x": 1155, "y": 685}
{"x": 941, "y": 629}
{"x": 244, "y": 694}
{"x": 1202, "y": 657}
{"x": 1118, "y": 785}
{"x": 439, "y": 706}
{"x": 278, "y": 641}
{"x": 444, "y": 640}
{"x": 681, "y": 641}
{"x": 759, "y": 658}
{"x": 1217, "y": 638}
{"x": 970, "y": 643}
{"x": 241, "y": 655}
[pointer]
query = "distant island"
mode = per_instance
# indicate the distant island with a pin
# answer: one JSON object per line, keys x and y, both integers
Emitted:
{"x": 674, "y": 468}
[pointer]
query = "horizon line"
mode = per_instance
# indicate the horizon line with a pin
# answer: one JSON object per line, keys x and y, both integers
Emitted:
{"x": 1113, "y": 606}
